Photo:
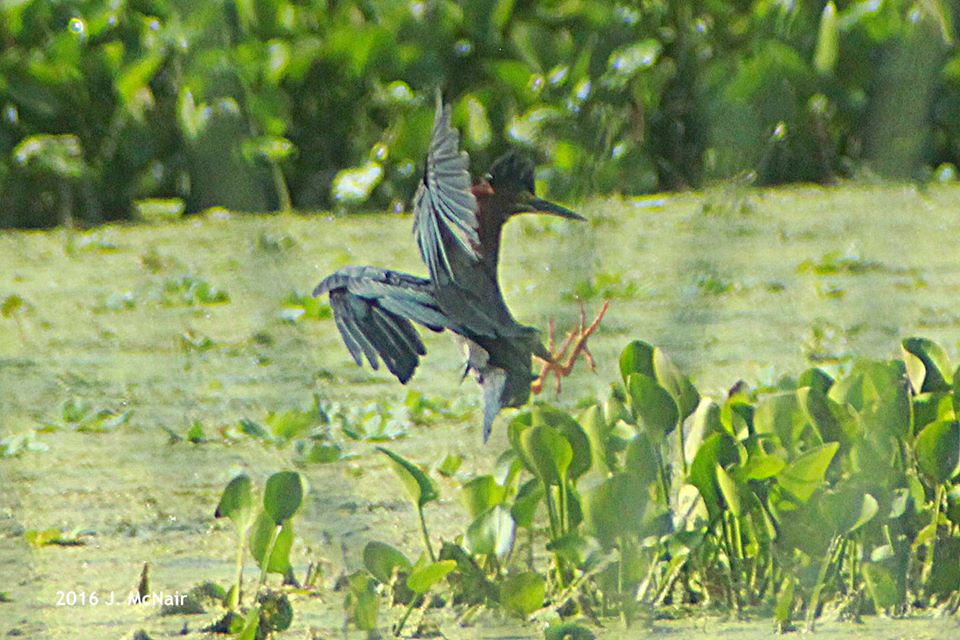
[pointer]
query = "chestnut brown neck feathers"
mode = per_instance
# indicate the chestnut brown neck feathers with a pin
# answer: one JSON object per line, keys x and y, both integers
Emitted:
{"x": 493, "y": 210}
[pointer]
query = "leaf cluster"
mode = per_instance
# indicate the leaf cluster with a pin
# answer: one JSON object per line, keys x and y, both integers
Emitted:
{"x": 820, "y": 490}
{"x": 152, "y": 109}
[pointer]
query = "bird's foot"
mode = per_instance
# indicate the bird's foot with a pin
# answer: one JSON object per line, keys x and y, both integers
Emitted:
{"x": 560, "y": 364}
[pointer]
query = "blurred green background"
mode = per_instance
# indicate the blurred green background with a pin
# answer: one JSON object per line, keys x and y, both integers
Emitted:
{"x": 116, "y": 109}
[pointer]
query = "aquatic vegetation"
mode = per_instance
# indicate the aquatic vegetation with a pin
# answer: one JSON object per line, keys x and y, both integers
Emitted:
{"x": 14, "y": 306}
{"x": 321, "y": 432}
{"x": 42, "y": 538}
{"x": 300, "y": 306}
{"x": 95, "y": 241}
{"x": 605, "y": 286}
{"x": 21, "y": 442}
{"x": 274, "y": 243}
{"x": 156, "y": 262}
{"x": 834, "y": 262}
{"x": 189, "y": 290}
{"x": 819, "y": 490}
{"x": 80, "y": 416}
{"x": 268, "y": 535}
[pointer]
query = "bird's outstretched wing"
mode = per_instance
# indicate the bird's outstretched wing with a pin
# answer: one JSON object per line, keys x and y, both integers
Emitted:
{"x": 375, "y": 309}
{"x": 446, "y": 224}
{"x": 445, "y": 210}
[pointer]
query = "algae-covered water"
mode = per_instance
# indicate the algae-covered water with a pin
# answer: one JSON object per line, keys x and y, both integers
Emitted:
{"x": 732, "y": 284}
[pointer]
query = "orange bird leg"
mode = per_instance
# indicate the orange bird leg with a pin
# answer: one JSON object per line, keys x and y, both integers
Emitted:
{"x": 560, "y": 364}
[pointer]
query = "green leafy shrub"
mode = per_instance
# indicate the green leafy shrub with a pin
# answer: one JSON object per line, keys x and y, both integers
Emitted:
{"x": 152, "y": 108}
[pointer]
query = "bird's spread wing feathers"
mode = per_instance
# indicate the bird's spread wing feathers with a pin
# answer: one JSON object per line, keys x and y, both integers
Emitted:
{"x": 375, "y": 309}
{"x": 445, "y": 210}
{"x": 446, "y": 226}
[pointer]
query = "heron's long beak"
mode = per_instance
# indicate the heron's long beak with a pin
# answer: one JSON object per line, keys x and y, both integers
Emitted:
{"x": 538, "y": 205}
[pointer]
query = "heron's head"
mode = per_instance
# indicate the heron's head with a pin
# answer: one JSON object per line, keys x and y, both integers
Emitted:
{"x": 511, "y": 180}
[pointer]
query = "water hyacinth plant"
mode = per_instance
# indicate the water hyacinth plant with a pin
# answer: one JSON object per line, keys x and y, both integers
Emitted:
{"x": 819, "y": 491}
{"x": 268, "y": 534}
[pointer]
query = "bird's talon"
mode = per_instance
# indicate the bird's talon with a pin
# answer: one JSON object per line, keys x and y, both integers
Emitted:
{"x": 589, "y": 358}
{"x": 560, "y": 364}
{"x": 583, "y": 315}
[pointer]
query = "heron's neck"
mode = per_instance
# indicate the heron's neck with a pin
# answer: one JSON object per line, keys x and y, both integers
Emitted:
{"x": 490, "y": 223}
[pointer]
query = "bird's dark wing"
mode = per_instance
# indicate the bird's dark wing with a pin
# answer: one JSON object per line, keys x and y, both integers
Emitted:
{"x": 375, "y": 309}
{"x": 445, "y": 210}
{"x": 446, "y": 226}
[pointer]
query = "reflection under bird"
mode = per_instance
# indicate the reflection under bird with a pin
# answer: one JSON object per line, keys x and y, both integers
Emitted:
{"x": 457, "y": 226}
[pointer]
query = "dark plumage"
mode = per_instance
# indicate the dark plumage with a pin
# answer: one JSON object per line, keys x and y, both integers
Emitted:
{"x": 457, "y": 227}
{"x": 373, "y": 309}
{"x": 447, "y": 222}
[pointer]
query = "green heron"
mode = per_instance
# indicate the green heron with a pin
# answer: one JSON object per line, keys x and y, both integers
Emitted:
{"x": 457, "y": 226}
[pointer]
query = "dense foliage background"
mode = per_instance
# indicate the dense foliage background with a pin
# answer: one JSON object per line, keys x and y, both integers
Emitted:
{"x": 265, "y": 104}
